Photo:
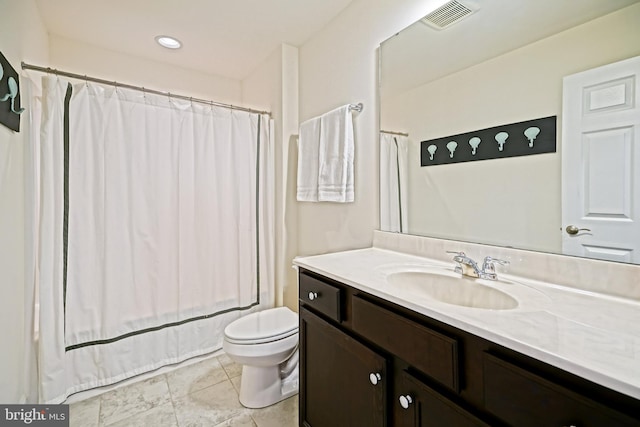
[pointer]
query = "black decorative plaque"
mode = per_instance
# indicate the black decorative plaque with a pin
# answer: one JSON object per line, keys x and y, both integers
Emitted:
{"x": 9, "y": 95}
{"x": 517, "y": 139}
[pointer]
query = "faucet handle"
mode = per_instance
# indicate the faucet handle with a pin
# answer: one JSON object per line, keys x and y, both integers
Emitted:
{"x": 456, "y": 258}
{"x": 489, "y": 264}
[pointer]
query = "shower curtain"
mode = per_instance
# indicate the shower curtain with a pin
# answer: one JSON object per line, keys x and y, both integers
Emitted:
{"x": 155, "y": 231}
{"x": 394, "y": 180}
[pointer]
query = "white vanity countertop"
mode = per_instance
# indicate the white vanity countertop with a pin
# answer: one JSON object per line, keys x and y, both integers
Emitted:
{"x": 591, "y": 335}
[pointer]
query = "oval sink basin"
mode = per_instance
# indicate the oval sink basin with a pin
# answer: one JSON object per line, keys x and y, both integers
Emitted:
{"x": 451, "y": 288}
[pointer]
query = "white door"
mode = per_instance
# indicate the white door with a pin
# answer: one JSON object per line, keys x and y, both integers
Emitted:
{"x": 601, "y": 162}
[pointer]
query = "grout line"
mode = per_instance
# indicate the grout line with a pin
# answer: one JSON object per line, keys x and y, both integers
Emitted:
{"x": 171, "y": 399}
{"x": 98, "y": 421}
{"x": 175, "y": 413}
{"x": 169, "y": 388}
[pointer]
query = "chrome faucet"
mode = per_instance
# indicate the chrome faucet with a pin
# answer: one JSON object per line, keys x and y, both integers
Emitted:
{"x": 468, "y": 267}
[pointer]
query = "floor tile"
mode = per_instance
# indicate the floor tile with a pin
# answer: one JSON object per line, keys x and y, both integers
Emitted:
{"x": 195, "y": 377}
{"x": 236, "y": 383}
{"x": 136, "y": 398}
{"x": 85, "y": 413}
{"x": 202, "y": 394}
{"x": 282, "y": 414}
{"x": 232, "y": 368}
{"x": 243, "y": 420}
{"x": 209, "y": 407}
{"x": 158, "y": 416}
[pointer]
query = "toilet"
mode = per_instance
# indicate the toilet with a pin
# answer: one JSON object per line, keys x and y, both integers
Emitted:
{"x": 265, "y": 343}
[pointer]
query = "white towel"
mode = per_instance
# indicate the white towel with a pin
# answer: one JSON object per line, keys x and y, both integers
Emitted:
{"x": 308, "y": 160}
{"x": 336, "y": 152}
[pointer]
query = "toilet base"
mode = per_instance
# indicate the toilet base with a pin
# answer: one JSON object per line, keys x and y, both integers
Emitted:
{"x": 262, "y": 386}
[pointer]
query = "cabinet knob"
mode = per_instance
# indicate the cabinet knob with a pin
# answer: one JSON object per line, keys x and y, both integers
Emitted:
{"x": 405, "y": 401}
{"x": 313, "y": 295}
{"x": 374, "y": 378}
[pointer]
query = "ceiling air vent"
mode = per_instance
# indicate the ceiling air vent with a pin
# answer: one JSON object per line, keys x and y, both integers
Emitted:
{"x": 448, "y": 14}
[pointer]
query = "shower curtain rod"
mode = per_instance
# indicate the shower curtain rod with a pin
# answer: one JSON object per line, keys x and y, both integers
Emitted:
{"x": 394, "y": 133}
{"x": 48, "y": 70}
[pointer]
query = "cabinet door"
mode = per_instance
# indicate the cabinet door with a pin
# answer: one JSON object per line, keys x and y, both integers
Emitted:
{"x": 337, "y": 376}
{"x": 417, "y": 405}
{"x": 524, "y": 399}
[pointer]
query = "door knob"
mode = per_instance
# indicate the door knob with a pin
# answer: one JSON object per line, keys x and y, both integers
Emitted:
{"x": 313, "y": 295}
{"x": 572, "y": 229}
{"x": 375, "y": 377}
{"x": 405, "y": 401}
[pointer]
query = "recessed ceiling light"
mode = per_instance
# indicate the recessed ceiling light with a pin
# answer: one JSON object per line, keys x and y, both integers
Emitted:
{"x": 168, "y": 42}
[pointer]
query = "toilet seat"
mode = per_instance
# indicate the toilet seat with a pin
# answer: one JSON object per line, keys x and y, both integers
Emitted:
{"x": 263, "y": 326}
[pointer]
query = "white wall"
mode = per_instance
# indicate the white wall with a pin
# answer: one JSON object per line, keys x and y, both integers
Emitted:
{"x": 81, "y": 58}
{"x": 512, "y": 201}
{"x": 22, "y": 37}
{"x": 338, "y": 66}
{"x": 273, "y": 86}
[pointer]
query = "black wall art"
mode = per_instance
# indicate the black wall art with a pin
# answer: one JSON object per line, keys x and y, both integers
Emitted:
{"x": 9, "y": 95}
{"x": 517, "y": 139}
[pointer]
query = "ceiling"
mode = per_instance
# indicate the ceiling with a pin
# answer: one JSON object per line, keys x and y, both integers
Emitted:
{"x": 228, "y": 38}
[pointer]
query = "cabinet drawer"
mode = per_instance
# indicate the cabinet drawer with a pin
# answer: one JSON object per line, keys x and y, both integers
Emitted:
{"x": 422, "y": 406}
{"x": 524, "y": 399}
{"x": 430, "y": 352}
{"x": 321, "y": 296}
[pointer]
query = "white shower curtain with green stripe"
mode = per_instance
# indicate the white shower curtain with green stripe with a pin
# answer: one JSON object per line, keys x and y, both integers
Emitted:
{"x": 156, "y": 231}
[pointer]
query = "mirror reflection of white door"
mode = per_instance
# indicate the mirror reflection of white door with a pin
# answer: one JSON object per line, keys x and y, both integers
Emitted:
{"x": 601, "y": 162}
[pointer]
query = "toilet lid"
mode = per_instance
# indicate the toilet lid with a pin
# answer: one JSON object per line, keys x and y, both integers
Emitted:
{"x": 271, "y": 323}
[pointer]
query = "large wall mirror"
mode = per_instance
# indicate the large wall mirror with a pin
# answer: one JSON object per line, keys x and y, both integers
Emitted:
{"x": 503, "y": 63}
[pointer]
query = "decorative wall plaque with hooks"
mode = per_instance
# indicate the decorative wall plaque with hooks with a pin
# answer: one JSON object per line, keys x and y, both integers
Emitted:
{"x": 9, "y": 95}
{"x": 517, "y": 139}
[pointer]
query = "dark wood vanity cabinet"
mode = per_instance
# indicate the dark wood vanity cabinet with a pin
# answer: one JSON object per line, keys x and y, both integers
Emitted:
{"x": 366, "y": 362}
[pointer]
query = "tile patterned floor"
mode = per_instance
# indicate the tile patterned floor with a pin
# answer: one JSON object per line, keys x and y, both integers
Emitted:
{"x": 202, "y": 394}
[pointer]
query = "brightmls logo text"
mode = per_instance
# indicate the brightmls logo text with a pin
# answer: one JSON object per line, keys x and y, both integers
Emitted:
{"x": 34, "y": 415}
{"x": 27, "y": 416}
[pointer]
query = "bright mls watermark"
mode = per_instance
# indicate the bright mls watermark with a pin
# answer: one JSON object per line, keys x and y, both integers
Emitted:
{"x": 34, "y": 415}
